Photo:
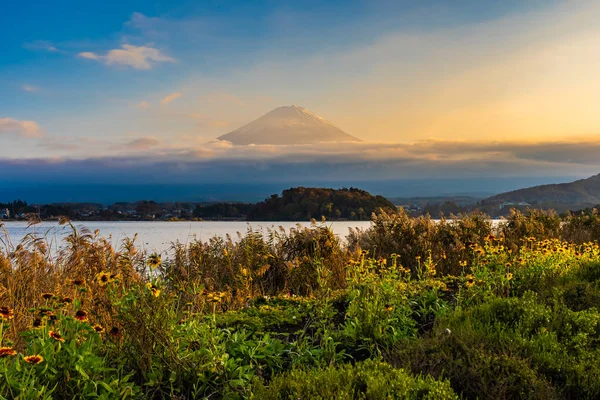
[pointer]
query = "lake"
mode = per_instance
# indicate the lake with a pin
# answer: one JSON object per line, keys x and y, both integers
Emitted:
{"x": 158, "y": 236}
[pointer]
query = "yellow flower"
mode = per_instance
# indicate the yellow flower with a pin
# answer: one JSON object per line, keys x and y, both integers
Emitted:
{"x": 462, "y": 263}
{"x": 155, "y": 290}
{"x": 103, "y": 278}
{"x": 214, "y": 297}
{"x": 470, "y": 280}
{"x": 98, "y": 328}
{"x": 34, "y": 359}
{"x": 509, "y": 276}
{"x": 154, "y": 261}
{"x": 47, "y": 296}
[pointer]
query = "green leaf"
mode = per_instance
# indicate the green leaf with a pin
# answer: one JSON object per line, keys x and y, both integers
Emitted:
{"x": 107, "y": 387}
{"x": 79, "y": 369}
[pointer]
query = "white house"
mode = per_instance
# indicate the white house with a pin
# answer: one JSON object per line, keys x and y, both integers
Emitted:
{"x": 513, "y": 203}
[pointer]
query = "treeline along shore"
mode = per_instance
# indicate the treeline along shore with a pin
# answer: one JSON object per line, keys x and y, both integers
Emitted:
{"x": 296, "y": 204}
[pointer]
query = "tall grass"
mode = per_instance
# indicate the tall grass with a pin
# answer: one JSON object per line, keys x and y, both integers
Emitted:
{"x": 211, "y": 318}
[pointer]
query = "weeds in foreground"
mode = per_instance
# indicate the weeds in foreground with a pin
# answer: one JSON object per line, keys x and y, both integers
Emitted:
{"x": 409, "y": 308}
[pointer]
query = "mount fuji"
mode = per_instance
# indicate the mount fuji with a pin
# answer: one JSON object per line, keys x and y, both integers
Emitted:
{"x": 289, "y": 125}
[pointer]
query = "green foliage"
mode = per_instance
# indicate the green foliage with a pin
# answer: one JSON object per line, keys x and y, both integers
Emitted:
{"x": 304, "y": 204}
{"x": 378, "y": 313}
{"x": 71, "y": 365}
{"x": 223, "y": 211}
{"x": 365, "y": 380}
{"x": 467, "y": 309}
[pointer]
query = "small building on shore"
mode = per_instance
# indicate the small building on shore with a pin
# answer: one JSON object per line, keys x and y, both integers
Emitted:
{"x": 514, "y": 204}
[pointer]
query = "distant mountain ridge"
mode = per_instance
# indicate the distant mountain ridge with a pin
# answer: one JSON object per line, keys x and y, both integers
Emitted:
{"x": 291, "y": 125}
{"x": 580, "y": 193}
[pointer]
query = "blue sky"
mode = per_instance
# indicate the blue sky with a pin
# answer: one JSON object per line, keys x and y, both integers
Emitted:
{"x": 501, "y": 83}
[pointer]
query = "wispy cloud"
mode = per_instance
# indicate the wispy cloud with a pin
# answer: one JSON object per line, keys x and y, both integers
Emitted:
{"x": 137, "y": 57}
{"x": 30, "y": 88}
{"x": 170, "y": 98}
{"x": 143, "y": 105}
{"x": 23, "y": 128}
{"x": 141, "y": 144}
{"x": 42, "y": 45}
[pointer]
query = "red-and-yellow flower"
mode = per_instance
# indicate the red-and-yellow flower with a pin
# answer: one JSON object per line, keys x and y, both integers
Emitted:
{"x": 34, "y": 359}
{"x": 81, "y": 316}
{"x": 56, "y": 336}
{"x": 7, "y": 352}
{"x": 6, "y": 313}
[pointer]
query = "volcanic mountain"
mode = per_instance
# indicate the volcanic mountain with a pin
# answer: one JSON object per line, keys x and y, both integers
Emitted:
{"x": 288, "y": 126}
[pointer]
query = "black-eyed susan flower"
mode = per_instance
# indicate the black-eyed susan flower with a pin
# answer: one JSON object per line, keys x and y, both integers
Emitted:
{"x": 462, "y": 263}
{"x": 103, "y": 278}
{"x": 56, "y": 336}
{"x": 37, "y": 322}
{"x": 153, "y": 289}
{"x": 6, "y": 313}
{"x": 34, "y": 359}
{"x": 98, "y": 328}
{"x": 154, "y": 261}
{"x": 81, "y": 316}
{"x": 509, "y": 276}
{"x": 117, "y": 277}
{"x": 470, "y": 280}
{"x": 47, "y": 296}
{"x": 77, "y": 282}
{"x": 388, "y": 308}
{"x": 7, "y": 352}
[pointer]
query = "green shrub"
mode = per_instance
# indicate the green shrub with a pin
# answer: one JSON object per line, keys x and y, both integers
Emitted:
{"x": 365, "y": 380}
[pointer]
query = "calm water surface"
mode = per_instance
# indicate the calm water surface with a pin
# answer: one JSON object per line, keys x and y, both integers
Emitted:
{"x": 158, "y": 236}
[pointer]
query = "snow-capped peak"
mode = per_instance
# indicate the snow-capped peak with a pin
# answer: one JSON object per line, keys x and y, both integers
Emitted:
{"x": 288, "y": 125}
